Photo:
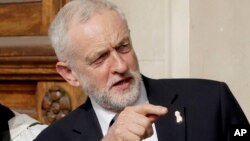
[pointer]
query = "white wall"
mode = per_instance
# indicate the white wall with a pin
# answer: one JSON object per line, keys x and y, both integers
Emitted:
{"x": 193, "y": 38}
{"x": 148, "y": 33}
{"x": 220, "y": 44}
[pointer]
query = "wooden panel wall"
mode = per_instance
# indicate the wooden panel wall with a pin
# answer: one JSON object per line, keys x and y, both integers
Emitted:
{"x": 28, "y": 75}
{"x": 27, "y": 17}
{"x": 20, "y": 19}
{"x": 29, "y": 82}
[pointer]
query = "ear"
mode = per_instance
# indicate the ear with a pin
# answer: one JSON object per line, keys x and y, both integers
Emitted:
{"x": 65, "y": 71}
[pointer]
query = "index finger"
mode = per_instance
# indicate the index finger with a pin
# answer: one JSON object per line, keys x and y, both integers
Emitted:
{"x": 150, "y": 109}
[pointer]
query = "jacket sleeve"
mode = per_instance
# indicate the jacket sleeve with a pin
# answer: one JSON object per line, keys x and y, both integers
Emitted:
{"x": 231, "y": 113}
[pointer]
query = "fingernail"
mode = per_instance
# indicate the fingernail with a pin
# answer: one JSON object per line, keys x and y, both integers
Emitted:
{"x": 163, "y": 109}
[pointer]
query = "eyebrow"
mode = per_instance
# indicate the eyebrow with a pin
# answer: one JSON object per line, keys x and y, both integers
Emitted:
{"x": 99, "y": 51}
{"x": 121, "y": 42}
{"x": 95, "y": 54}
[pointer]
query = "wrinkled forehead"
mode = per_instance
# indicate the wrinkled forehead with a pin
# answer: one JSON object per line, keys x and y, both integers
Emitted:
{"x": 103, "y": 26}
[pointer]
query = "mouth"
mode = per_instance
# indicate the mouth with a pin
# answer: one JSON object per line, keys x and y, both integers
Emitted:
{"x": 123, "y": 83}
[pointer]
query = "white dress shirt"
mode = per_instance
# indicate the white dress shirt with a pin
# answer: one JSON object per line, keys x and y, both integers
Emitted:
{"x": 21, "y": 128}
{"x": 105, "y": 116}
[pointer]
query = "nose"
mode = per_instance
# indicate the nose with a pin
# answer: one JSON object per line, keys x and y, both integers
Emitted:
{"x": 119, "y": 65}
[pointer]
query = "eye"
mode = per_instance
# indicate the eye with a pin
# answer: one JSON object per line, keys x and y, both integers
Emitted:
{"x": 100, "y": 59}
{"x": 124, "y": 48}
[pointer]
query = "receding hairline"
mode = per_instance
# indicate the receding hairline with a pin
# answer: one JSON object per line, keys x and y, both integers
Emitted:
{"x": 76, "y": 22}
{"x": 78, "y": 25}
{"x": 76, "y": 12}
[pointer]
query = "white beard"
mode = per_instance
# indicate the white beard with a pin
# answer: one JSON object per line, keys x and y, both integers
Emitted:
{"x": 114, "y": 101}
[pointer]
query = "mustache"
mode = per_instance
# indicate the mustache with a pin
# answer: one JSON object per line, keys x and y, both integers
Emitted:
{"x": 116, "y": 79}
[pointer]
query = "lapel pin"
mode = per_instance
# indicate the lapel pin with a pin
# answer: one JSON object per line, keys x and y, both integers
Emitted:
{"x": 178, "y": 117}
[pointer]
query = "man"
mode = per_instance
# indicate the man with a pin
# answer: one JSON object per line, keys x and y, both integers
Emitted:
{"x": 92, "y": 41}
{"x": 18, "y": 127}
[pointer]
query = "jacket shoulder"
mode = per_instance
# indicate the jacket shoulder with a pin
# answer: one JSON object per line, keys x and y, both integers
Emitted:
{"x": 185, "y": 83}
{"x": 61, "y": 129}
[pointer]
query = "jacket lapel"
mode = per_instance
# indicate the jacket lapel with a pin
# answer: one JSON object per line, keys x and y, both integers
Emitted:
{"x": 172, "y": 126}
{"x": 86, "y": 125}
{"x": 158, "y": 93}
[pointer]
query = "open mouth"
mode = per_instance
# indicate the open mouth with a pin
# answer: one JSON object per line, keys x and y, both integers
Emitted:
{"x": 123, "y": 84}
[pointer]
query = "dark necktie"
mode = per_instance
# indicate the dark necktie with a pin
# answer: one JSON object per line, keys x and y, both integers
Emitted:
{"x": 113, "y": 120}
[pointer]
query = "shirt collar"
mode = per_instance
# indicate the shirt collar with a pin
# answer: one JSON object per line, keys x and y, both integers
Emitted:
{"x": 19, "y": 123}
{"x": 105, "y": 116}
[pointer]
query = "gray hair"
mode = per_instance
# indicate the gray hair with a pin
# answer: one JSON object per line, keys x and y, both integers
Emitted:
{"x": 81, "y": 10}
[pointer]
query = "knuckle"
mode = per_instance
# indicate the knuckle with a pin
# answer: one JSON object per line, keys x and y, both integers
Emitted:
{"x": 120, "y": 122}
{"x": 118, "y": 132}
{"x": 145, "y": 122}
{"x": 149, "y": 132}
{"x": 142, "y": 132}
{"x": 128, "y": 108}
{"x": 137, "y": 139}
{"x": 122, "y": 114}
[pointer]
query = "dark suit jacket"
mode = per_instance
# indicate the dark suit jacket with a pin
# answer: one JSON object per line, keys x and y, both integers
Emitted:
{"x": 207, "y": 107}
{"x": 5, "y": 115}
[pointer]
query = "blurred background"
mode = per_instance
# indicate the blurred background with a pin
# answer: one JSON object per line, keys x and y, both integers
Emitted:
{"x": 173, "y": 39}
{"x": 193, "y": 39}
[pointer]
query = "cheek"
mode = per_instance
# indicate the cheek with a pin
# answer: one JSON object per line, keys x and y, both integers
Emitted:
{"x": 132, "y": 61}
{"x": 95, "y": 77}
{"x": 99, "y": 77}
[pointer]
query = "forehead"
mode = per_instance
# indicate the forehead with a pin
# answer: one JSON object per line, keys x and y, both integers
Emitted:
{"x": 104, "y": 27}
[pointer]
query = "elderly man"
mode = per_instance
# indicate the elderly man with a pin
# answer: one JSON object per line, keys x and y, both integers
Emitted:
{"x": 92, "y": 41}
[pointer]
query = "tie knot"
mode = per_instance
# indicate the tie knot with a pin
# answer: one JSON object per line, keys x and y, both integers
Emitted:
{"x": 113, "y": 120}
